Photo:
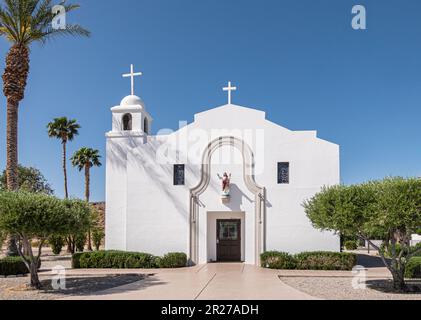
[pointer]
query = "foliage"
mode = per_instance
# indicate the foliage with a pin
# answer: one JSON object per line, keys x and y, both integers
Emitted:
{"x": 113, "y": 260}
{"x": 351, "y": 245}
{"x": 127, "y": 260}
{"x": 80, "y": 242}
{"x": 29, "y": 180}
{"x": 63, "y": 129}
{"x": 56, "y": 243}
{"x": 25, "y": 21}
{"x": 388, "y": 252}
{"x": 32, "y": 215}
{"x": 326, "y": 261}
{"x": 14, "y": 266}
{"x": 308, "y": 261}
{"x": 86, "y": 157}
{"x": 413, "y": 268}
{"x": 77, "y": 237}
{"x": 278, "y": 260}
{"x": 3, "y": 237}
{"x": 97, "y": 237}
{"x": 389, "y": 209}
{"x": 173, "y": 260}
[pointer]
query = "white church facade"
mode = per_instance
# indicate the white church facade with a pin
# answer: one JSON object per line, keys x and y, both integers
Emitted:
{"x": 226, "y": 187}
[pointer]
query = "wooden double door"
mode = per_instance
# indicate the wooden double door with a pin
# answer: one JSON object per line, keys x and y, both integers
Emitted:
{"x": 228, "y": 239}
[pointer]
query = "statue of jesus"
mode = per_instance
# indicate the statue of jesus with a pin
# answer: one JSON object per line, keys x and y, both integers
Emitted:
{"x": 226, "y": 182}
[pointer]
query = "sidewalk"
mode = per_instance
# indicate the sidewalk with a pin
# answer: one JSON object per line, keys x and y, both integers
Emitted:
{"x": 205, "y": 282}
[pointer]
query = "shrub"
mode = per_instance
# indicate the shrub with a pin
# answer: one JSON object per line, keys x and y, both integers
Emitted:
{"x": 14, "y": 266}
{"x": 97, "y": 237}
{"x": 127, "y": 260}
{"x": 351, "y": 245}
{"x": 326, "y": 261}
{"x": 413, "y": 268}
{"x": 173, "y": 260}
{"x": 80, "y": 241}
{"x": 278, "y": 260}
{"x": 113, "y": 260}
{"x": 56, "y": 244}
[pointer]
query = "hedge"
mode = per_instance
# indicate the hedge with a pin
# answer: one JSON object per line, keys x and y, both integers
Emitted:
{"x": 173, "y": 260}
{"x": 326, "y": 261}
{"x": 13, "y": 266}
{"x": 278, "y": 260}
{"x": 413, "y": 268}
{"x": 126, "y": 260}
{"x": 113, "y": 260}
{"x": 309, "y": 261}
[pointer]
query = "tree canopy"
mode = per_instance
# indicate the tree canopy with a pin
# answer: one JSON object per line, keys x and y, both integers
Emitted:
{"x": 389, "y": 210}
{"x": 29, "y": 179}
{"x": 35, "y": 215}
{"x": 86, "y": 157}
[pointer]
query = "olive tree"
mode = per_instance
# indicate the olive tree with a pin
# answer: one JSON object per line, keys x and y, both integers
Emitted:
{"x": 390, "y": 209}
{"x": 28, "y": 215}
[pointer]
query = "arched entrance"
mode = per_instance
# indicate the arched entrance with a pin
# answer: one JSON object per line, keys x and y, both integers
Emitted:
{"x": 249, "y": 179}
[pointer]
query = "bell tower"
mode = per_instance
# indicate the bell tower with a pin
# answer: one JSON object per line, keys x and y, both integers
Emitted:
{"x": 131, "y": 126}
{"x": 131, "y": 117}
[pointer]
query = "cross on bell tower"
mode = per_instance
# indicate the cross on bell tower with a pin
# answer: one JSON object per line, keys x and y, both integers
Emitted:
{"x": 132, "y": 75}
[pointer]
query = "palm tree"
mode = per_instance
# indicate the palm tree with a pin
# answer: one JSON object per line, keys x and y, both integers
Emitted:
{"x": 64, "y": 130}
{"x": 86, "y": 158}
{"x": 23, "y": 22}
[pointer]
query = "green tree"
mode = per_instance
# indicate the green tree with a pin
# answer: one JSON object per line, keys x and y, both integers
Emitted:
{"x": 65, "y": 130}
{"x": 85, "y": 159}
{"x": 390, "y": 209}
{"x": 29, "y": 179}
{"x": 31, "y": 215}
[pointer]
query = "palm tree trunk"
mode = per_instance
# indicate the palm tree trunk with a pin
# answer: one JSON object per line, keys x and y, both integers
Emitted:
{"x": 12, "y": 145}
{"x": 87, "y": 195}
{"x": 87, "y": 182}
{"x": 12, "y": 161}
{"x": 66, "y": 193}
{"x": 14, "y": 83}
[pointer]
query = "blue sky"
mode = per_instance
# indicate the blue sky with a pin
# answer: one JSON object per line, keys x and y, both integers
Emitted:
{"x": 298, "y": 60}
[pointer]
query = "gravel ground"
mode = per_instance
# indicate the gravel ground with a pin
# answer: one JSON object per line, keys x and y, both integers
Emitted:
{"x": 336, "y": 288}
{"x": 16, "y": 288}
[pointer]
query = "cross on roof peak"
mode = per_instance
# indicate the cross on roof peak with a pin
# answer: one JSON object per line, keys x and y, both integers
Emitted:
{"x": 229, "y": 89}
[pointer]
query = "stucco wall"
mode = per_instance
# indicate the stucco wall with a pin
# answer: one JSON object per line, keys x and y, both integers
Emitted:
{"x": 145, "y": 212}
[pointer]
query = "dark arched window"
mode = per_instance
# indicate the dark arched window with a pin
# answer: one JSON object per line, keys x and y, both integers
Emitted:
{"x": 146, "y": 126}
{"x": 127, "y": 122}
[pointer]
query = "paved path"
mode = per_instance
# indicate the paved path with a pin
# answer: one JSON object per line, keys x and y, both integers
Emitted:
{"x": 206, "y": 282}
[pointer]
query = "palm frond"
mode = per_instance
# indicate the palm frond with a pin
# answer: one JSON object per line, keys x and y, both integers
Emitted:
{"x": 27, "y": 21}
{"x": 70, "y": 30}
{"x": 63, "y": 129}
{"x": 86, "y": 157}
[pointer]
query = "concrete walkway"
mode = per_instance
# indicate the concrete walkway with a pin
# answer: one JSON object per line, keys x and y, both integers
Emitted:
{"x": 206, "y": 282}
